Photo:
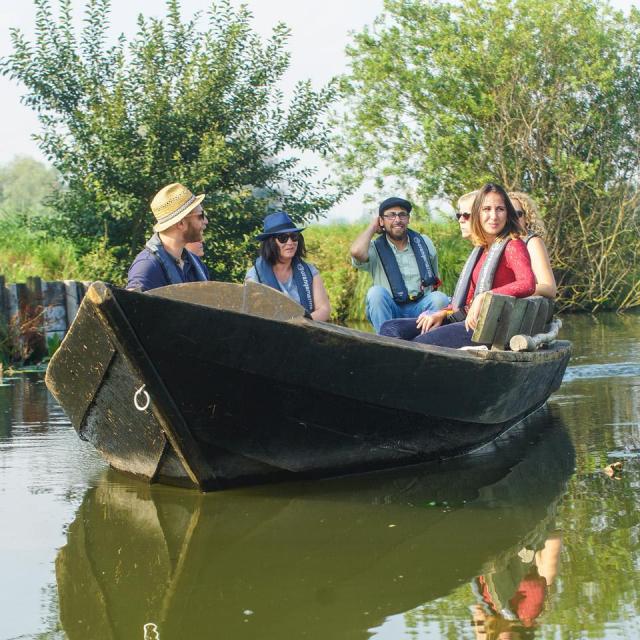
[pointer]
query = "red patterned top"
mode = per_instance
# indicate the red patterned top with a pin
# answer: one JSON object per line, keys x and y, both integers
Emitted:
{"x": 513, "y": 277}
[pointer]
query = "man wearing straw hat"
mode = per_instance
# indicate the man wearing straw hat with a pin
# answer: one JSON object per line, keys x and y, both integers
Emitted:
{"x": 180, "y": 219}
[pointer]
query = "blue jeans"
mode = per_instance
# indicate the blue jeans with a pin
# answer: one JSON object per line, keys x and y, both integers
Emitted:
{"x": 382, "y": 307}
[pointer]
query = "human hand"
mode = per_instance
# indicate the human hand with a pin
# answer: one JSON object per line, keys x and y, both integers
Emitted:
{"x": 471, "y": 321}
{"x": 375, "y": 225}
{"x": 427, "y": 321}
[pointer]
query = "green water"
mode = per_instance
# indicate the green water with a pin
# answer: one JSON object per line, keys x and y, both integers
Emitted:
{"x": 528, "y": 538}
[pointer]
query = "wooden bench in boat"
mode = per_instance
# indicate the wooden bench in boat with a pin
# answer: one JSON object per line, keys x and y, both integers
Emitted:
{"x": 521, "y": 324}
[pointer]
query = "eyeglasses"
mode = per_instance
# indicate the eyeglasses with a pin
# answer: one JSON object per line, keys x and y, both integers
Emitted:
{"x": 519, "y": 213}
{"x": 202, "y": 215}
{"x": 401, "y": 215}
{"x": 282, "y": 238}
{"x": 465, "y": 216}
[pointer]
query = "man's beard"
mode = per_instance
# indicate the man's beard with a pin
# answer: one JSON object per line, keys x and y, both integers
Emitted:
{"x": 192, "y": 234}
{"x": 398, "y": 234}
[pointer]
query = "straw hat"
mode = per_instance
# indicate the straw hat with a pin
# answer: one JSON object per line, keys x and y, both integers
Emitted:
{"x": 171, "y": 204}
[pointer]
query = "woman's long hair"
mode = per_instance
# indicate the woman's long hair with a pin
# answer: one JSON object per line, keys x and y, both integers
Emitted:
{"x": 511, "y": 227}
{"x": 270, "y": 251}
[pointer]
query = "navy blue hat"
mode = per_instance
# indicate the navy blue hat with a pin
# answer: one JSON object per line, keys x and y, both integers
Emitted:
{"x": 394, "y": 202}
{"x": 275, "y": 223}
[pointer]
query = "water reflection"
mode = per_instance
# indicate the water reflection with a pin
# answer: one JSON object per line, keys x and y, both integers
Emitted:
{"x": 5, "y": 409}
{"x": 511, "y": 595}
{"x": 328, "y": 559}
{"x": 23, "y": 400}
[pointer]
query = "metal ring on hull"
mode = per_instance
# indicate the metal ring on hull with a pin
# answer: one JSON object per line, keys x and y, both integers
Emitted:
{"x": 147, "y": 399}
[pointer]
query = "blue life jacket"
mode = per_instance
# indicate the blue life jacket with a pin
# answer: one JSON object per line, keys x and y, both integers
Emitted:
{"x": 302, "y": 278}
{"x": 201, "y": 276}
{"x": 419, "y": 247}
{"x": 172, "y": 272}
{"x": 485, "y": 277}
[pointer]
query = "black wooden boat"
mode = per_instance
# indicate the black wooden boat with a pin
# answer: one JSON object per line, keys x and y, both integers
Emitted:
{"x": 316, "y": 560}
{"x": 216, "y": 385}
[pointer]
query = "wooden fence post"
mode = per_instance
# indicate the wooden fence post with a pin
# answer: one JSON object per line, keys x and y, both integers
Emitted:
{"x": 74, "y": 292}
{"x": 30, "y": 320}
{"x": 4, "y": 312}
{"x": 4, "y": 325}
{"x": 55, "y": 310}
{"x": 34, "y": 312}
{"x": 4, "y": 315}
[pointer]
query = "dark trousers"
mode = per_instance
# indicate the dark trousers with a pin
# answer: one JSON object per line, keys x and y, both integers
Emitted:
{"x": 452, "y": 335}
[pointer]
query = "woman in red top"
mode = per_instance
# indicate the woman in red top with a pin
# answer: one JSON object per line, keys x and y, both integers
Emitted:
{"x": 493, "y": 221}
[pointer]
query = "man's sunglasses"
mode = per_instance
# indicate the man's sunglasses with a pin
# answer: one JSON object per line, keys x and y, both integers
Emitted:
{"x": 401, "y": 215}
{"x": 464, "y": 216}
{"x": 282, "y": 238}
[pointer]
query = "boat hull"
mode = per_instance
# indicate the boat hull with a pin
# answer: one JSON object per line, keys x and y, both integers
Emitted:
{"x": 239, "y": 399}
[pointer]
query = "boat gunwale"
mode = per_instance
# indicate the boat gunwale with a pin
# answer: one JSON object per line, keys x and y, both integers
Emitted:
{"x": 555, "y": 350}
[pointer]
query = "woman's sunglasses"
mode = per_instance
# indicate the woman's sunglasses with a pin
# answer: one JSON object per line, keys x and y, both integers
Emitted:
{"x": 282, "y": 238}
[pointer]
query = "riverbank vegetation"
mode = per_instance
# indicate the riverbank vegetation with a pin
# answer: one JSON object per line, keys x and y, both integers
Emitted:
{"x": 538, "y": 95}
{"x": 176, "y": 103}
{"x": 436, "y": 102}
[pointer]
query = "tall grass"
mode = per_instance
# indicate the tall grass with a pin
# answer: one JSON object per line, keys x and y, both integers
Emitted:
{"x": 25, "y": 252}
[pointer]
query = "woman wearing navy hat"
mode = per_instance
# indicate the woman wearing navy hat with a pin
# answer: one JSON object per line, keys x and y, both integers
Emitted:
{"x": 281, "y": 266}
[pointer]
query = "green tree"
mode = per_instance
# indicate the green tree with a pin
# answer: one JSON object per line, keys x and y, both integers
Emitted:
{"x": 539, "y": 95}
{"x": 26, "y": 186}
{"x": 174, "y": 104}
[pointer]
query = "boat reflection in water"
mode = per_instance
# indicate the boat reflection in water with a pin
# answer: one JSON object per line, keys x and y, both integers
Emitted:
{"x": 329, "y": 559}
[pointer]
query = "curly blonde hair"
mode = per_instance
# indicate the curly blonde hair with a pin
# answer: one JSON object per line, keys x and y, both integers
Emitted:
{"x": 532, "y": 221}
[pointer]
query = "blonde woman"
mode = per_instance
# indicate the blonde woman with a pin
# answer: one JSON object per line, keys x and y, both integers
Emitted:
{"x": 463, "y": 214}
{"x": 532, "y": 233}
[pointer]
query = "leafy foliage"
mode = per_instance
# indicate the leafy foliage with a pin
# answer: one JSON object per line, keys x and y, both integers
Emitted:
{"x": 174, "y": 104}
{"x": 26, "y": 186}
{"x": 538, "y": 95}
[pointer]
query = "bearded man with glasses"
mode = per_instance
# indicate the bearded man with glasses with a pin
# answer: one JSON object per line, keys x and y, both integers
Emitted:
{"x": 165, "y": 260}
{"x": 403, "y": 265}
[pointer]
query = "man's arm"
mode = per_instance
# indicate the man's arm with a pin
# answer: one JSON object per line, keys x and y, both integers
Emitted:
{"x": 360, "y": 247}
{"x": 146, "y": 273}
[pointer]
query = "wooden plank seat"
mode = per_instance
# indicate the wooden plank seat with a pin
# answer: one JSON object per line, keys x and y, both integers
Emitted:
{"x": 519, "y": 324}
